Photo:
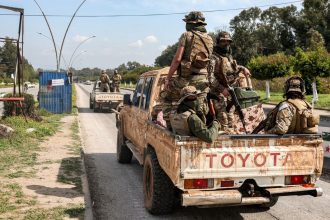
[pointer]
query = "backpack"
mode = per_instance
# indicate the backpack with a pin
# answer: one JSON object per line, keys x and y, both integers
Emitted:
{"x": 104, "y": 78}
{"x": 199, "y": 54}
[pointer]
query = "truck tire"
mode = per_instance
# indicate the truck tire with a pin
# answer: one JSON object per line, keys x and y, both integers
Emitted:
{"x": 159, "y": 191}
{"x": 95, "y": 108}
{"x": 273, "y": 201}
{"x": 91, "y": 106}
{"x": 124, "y": 154}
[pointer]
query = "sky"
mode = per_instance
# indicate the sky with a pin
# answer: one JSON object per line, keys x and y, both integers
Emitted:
{"x": 117, "y": 39}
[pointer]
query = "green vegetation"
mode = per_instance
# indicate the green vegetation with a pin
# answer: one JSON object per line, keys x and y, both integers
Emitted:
{"x": 19, "y": 150}
{"x": 57, "y": 213}
{"x": 276, "y": 97}
{"x": 8, "y": 61}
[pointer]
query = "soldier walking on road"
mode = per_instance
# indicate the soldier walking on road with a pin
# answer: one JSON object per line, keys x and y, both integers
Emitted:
{"x": 294, "y": 115}
{"x": 104, "y": 78}
{"x": 116, "y": 78}
{"x": 190, "y": 61}
{"x": 223, "y": 69}
{"x": 190, "y": 118}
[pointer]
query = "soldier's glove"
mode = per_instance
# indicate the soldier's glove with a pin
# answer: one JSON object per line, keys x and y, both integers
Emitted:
{"x": 210, "y": 96}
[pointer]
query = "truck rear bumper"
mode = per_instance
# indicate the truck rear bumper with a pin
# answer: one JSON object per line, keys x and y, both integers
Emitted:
{"x": 234, "y": 197}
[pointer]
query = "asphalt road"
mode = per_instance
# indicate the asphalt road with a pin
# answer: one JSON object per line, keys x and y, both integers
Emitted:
{"x": 117, "y": 193}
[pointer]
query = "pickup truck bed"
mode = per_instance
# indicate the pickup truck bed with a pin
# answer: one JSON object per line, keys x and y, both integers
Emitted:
{"x": 233, "y": 170}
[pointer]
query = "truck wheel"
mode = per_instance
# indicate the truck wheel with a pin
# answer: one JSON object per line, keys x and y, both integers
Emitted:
{"x": 124, "y": 154}
{"x": 90, "y": 104}
{"x": 273, "y": 201}
{"x": 95, "y": 107}
{"x": 159, "y": 194}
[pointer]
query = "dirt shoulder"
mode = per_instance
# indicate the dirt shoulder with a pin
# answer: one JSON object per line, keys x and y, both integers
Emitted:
{"x": 52, "y": 187}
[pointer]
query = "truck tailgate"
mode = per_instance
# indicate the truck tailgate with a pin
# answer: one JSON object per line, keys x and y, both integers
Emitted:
{"x": 251, "y": 157}
{"x": 101, "y": 97}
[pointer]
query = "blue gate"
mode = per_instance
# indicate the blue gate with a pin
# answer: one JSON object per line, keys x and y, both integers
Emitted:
{"x": 55, "y": 92}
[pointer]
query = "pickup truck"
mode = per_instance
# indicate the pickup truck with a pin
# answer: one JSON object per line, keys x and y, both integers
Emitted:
{"x": 100, "y": 100}
{"x": 233, "y": 170}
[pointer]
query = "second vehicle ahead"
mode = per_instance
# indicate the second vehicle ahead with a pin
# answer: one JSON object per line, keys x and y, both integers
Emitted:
{"x": 104, "y": 100}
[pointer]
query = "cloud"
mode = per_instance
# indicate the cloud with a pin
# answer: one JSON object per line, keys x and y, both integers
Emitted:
{"x": 79, "y": 38}
{"x": 151, "y": 39}
{"x": 162, "y": 47}
{"x": 137, "y": 44}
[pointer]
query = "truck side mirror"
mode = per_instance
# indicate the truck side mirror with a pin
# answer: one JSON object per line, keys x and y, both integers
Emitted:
{"x": 127, "y": 99}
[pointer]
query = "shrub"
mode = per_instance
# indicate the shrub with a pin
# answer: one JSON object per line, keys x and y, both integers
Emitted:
{"x": 12, "y": 108}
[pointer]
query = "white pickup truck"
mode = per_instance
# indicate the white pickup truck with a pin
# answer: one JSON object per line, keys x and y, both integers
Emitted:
{"x": 233, "y": 170}
{"x": 104, "y": 100}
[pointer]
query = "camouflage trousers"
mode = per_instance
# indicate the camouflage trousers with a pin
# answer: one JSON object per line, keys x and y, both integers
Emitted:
{"x": 171, "y": 96}
{"x": 104, "y": 87}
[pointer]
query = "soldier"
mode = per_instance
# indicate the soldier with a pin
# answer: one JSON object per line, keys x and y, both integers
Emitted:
{"x": 190, "y": 61}
{"x": 104, "y": 78}
{"x": 190, "y": 118}
{"x": 224, "y": 72}
{"x": 116, "y": 78}
{"x": 294, "y": 115}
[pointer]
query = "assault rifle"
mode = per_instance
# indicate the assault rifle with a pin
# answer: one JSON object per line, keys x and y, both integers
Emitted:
{"x": 235, "y": 101}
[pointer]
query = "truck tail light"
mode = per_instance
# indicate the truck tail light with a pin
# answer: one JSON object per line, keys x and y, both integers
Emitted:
{"x": 297, "y": 180}
{"x": 227, "y": 183}
{"x": 198, "y": 183}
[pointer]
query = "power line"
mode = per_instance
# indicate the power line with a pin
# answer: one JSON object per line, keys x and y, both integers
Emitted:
{"x": 155, "y": 14}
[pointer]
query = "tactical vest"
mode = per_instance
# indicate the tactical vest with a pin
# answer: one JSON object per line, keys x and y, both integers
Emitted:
{"x": 230, "y": 70}
{"x": 179, "y": 123}
{"x": 198, "y": 55}
{"x": 104, "y": 78}
{"x": 303, "y": 121}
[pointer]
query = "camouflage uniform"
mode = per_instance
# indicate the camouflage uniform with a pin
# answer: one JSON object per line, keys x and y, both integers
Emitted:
{"x": 194, "y": 114}
{"x": 198, "y": 47}
{"x": 224, "y": 66}
{"x": 104, "y": 78}
{"x": 116, "y": 78}
{"x": 293, "y": 116}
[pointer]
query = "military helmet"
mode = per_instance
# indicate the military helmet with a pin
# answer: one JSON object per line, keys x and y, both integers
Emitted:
{"x": 223, "y": 35}
{"x": 115, "y": 71}
{"x": 103, "y": 71}
{"x": 295, "y": 84}
{"x": 195, "y": 17}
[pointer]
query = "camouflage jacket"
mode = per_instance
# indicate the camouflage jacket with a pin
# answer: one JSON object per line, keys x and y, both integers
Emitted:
{"x": 116, "y": 78}
{"x": 220, "y": 67}
{"x": 288, "y": 119}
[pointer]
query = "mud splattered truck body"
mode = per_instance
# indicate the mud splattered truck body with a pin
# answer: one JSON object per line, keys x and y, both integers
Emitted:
{"x": 233, "y": 170}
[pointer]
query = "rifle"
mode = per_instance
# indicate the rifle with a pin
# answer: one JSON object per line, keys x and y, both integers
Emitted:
{"x": 235, "y": 101}
{"x": 260, "y": 126}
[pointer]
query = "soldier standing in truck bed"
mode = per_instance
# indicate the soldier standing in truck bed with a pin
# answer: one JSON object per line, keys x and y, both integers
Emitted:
{"x": 104, "y": 78}
{"x": 116, "y": 78}
{"x": 190, "y": 61}
{"x": 224, "y": 69}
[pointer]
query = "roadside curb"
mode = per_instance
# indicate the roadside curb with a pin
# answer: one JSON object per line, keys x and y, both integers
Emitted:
{"x": 87, "y": 196}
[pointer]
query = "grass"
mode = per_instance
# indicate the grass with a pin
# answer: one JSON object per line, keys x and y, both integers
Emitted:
{"x": 127, "y": 85}
{"x": 19, "y": 150}
{"x": 276, "y": 97}
{"x": 70, "y": 170}
{"x": 57, "y": 213}
{"x": 12, "y": 198}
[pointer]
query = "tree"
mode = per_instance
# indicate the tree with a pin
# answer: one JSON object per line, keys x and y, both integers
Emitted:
{"x": 270, "y": 67}
{"x": 312, "y": 64}
{"x": 244, "y": 27}
{"x": 314, "y": 40}
{"x": 167, "y": 55}
{"x": 8, "y": 57}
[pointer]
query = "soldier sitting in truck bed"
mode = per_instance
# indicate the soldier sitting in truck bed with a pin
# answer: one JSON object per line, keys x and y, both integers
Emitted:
{"x": 190, "y": 118}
